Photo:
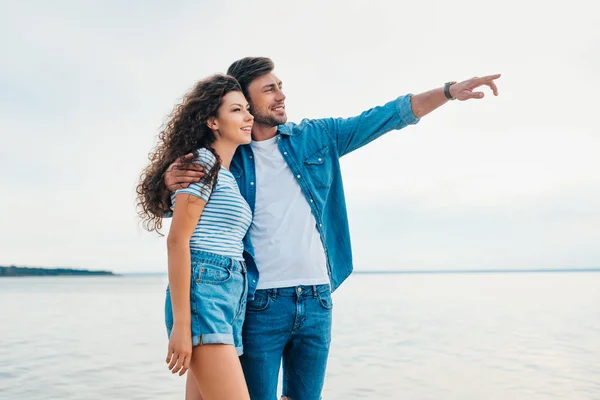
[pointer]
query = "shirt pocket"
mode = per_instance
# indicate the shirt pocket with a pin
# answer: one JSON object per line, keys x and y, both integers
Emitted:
{"x": 318, "y": 165}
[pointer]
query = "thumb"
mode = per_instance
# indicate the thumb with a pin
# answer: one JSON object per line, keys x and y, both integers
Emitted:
{"x": 475, "y": 95}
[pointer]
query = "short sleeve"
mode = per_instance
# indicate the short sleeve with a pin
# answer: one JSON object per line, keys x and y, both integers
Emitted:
{"x": 200, "y": 189}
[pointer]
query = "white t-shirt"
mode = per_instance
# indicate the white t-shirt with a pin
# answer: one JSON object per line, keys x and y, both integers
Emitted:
{"x": 287, "y": 245}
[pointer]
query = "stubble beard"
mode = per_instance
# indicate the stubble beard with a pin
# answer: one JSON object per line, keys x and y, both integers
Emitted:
{"x": 267, "y": 119}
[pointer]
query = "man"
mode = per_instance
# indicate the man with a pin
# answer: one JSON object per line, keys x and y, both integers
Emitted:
{"x": 299, "y": 239}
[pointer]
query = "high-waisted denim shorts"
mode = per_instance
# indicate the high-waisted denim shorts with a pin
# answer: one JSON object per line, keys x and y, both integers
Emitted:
{"x": 218, "y": 291}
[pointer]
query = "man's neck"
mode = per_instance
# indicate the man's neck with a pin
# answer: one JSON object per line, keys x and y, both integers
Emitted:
{"x": 262, "y": 132}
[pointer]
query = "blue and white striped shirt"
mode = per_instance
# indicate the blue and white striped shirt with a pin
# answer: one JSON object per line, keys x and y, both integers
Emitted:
{"x": 226, "y": 216}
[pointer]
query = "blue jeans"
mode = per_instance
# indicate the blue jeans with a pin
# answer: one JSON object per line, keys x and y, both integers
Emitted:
{"x": 293, "y": 324}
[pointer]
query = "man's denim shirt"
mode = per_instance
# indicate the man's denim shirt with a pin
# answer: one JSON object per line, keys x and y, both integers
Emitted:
{"x": 312, "y": 150}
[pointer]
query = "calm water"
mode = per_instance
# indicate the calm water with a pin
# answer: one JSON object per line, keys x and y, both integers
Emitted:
{"x": 481, "y": 336}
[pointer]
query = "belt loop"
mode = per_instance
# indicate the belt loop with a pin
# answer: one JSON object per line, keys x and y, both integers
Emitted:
{"x": 314, "y": 291}
{"x": 274, "y": 293}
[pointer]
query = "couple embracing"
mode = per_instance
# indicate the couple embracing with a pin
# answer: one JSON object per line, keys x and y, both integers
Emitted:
{"x": 259, "y": 235}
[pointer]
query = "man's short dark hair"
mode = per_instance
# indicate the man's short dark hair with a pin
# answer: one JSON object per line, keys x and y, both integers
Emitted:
{"x": 249, "y": 68}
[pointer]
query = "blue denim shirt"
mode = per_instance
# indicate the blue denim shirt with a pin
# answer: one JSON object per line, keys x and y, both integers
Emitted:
{"x": 312, "y": 150}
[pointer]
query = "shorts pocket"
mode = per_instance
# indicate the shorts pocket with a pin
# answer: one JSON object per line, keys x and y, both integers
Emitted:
{"x": 260, "y": 302}
{"x": 208, "y": 273}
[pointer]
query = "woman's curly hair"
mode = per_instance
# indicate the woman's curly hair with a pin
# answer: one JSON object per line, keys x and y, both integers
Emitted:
{"x": 185, "y": 132}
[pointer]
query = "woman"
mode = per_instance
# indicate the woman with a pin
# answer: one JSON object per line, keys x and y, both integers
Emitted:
{"x": 206, "y": 297}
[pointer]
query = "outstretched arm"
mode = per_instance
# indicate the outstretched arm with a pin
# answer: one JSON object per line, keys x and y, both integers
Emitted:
{"x": 352, "y": 133}
{"x": 424, "y": 103}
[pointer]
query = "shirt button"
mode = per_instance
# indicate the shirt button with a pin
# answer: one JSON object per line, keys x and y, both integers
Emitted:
{"x": 320, "y": 224}
{"x": 298, "y": 176}
{"x": 285, "y": 153}
{"x": 320, "y": 159}
{"x": 251, "y": 157}
{"x": 251, "y": 183}
{"x": 311, "y": 200}
{"x": 253, "y": 280}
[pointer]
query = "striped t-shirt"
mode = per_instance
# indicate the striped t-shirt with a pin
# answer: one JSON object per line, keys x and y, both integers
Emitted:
{"x": 226, "y": 216}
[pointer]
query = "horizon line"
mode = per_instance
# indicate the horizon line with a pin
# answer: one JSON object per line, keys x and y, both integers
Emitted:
{"x": 436, "y": 271}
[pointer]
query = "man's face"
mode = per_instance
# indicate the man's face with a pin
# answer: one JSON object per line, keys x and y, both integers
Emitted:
{"x": 267, "y": 101}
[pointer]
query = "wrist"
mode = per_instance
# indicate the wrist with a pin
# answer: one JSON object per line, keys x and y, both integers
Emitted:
{"x": 449, "y": 91}
{"x": 182, "y": 317}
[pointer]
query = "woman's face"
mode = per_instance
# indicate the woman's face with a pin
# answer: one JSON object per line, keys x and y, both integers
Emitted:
{"x": 233, "y": 121}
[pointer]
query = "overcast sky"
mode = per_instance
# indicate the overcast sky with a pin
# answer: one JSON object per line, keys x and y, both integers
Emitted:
{"x": 505, "y": 182}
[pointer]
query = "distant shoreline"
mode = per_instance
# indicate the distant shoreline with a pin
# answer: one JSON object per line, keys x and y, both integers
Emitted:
{"x": 13, "y": 271}
{"x": 479, "y": 271}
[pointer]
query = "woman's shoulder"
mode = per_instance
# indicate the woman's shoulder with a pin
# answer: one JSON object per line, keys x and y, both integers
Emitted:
{"x": 205, "y": 157}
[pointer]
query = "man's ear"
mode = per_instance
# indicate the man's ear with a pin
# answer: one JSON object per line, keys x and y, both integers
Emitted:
{"x": 212, "y": 123}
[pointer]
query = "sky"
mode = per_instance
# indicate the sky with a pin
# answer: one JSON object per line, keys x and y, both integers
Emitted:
{"x": 504, "y": 182}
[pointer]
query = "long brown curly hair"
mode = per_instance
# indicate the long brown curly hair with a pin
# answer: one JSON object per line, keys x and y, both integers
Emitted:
{"x": 185, "y": 132}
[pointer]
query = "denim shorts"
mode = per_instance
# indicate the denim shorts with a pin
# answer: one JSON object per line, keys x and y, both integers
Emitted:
{"x": 218, "y": 291}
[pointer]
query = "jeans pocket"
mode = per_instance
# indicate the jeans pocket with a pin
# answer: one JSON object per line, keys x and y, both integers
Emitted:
{"x": 260, "y": 302}
{"x": 209, "y": 273}
{"x": 325, "y": 299}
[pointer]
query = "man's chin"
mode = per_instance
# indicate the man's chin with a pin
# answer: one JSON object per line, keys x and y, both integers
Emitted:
{"x": 272, "y": 121}
{"x": 280, "y": 119}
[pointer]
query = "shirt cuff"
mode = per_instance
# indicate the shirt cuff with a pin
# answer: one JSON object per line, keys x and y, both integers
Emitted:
{"x": 405, "y": 110}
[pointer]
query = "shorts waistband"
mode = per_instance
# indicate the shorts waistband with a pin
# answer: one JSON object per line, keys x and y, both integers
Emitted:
{"x": 218, "y": 260}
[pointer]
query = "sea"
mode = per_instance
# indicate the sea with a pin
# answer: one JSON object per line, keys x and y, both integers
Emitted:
{"x": 443, "y": 336}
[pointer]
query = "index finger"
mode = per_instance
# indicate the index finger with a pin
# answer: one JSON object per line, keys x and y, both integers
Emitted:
{"x": 488, "y": 81}
{"x": 190, "y": 167}
{"x": 484, "y": 80}
{"x": 185, "y": 166}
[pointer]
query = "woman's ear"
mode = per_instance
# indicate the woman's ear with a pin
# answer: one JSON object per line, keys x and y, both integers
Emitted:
{"x": 212, "y": 124}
